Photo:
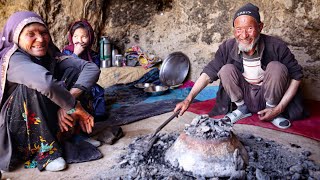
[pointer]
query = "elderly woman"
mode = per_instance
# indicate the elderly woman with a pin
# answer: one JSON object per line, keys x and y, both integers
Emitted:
{"x": 38, "y": 94}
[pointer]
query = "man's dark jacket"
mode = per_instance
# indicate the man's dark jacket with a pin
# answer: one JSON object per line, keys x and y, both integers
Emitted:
{"x": 271, "y": 49}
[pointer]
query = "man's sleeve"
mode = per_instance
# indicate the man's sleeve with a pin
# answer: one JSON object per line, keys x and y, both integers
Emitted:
{"x": 214, "y": 66}
{"x": 288, "y": 59}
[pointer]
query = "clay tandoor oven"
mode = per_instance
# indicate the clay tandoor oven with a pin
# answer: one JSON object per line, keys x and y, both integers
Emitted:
{"x": 208, "y": 148}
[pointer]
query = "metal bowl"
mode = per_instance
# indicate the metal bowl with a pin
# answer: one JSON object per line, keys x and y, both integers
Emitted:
{"x": 156, "y": 90}
{"x": 143, "y": 85}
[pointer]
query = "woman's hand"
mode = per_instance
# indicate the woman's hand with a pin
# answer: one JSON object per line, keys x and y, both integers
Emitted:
{"x": 75, "y": 92}
{"x": 85, "y": 119}
{"x": 182, "y": 106}
{"x": 86, "y": 123}
{"x": 65, "y": 121}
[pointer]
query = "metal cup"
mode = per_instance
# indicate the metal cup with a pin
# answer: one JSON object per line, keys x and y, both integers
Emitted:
{"x": 118, "y": 60}
{"x": 105, "y": 63}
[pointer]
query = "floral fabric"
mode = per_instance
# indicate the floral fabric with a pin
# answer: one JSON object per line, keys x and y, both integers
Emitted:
{"x": 31, "y": 128}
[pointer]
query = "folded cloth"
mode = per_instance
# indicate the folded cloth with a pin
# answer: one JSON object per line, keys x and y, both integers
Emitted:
{"x": 126, "y": 94}
{"x": 105, "y": 133}
{"x": 110, "y": 135}
{"x": 143, "y": 111}
{"x": 81, "y": 151}
{"x": 128, "y": 114}
{"x": 94, "y": 142}
{"x": 84, "y": 137}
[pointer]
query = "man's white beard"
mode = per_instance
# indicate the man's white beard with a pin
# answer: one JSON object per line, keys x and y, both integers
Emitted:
{"x": 246, "y": 48}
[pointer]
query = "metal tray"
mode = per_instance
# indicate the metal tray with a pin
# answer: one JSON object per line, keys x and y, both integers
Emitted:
{"x": 174, "y": 69}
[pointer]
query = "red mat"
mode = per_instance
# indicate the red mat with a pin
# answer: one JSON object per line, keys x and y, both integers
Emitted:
{"x": 309, "y": 127}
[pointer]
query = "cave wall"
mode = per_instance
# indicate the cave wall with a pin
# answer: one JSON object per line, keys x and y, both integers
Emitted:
{"x": 195, "y": 28}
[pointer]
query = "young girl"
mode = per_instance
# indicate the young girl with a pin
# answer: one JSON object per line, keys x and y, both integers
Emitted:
{"x": 81, "y": 39}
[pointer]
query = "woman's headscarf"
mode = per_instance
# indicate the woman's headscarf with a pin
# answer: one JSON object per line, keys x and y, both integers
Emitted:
{"x": 10, "y": 37}
{"x": 86, "y": 25}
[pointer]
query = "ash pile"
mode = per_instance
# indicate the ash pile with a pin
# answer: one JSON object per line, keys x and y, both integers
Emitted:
{"x": 270, "y": 160}
{"x": 265, "y": 159}
{"x": 137, "y": 164}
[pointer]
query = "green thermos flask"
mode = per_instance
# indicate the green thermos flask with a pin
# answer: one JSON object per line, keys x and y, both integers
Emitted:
{"x": 105, "y": 52}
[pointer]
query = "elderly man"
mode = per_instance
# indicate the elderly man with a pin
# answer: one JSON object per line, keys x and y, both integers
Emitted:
{"x": 257, "y": 73}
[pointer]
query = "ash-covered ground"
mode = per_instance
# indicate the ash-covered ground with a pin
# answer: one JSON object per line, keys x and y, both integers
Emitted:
{"x": 267, "y": 160}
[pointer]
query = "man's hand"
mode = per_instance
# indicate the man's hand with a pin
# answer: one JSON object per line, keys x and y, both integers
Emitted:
{"x": 182, "y": 106}
{"x": 201, "y": 83}
{"x": 65, "y": 121}
{"x": 268, "y": 114}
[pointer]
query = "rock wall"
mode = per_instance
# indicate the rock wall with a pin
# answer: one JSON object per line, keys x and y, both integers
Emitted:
{"x": 196, "y": 28}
